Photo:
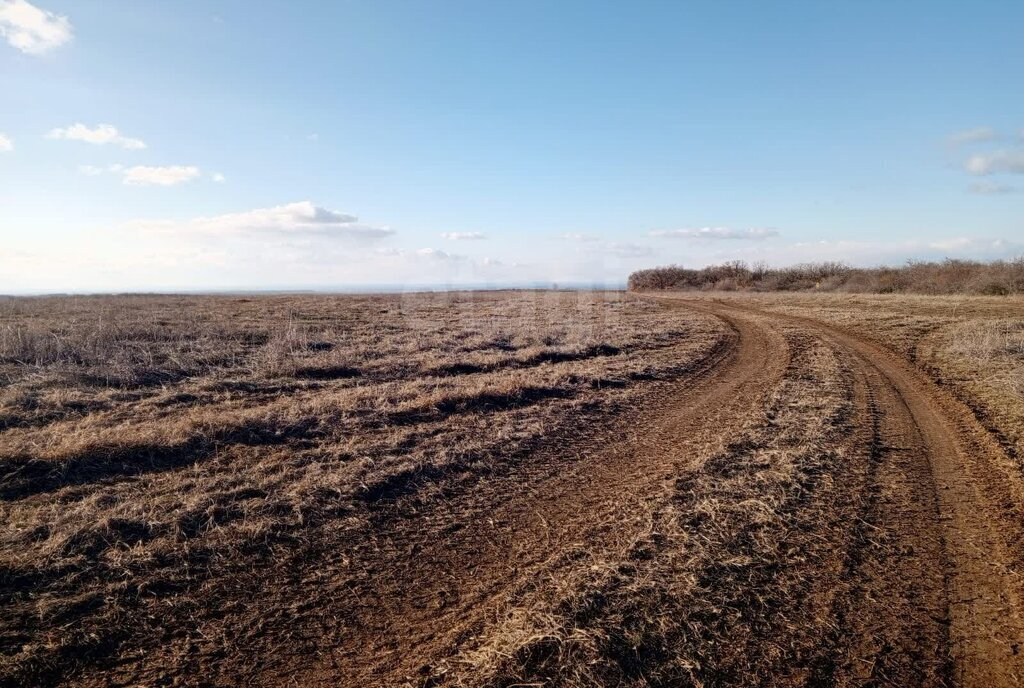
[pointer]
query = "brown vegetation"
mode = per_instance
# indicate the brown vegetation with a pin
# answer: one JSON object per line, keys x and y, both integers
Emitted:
{"x": 916, "y": 277}
{"x": 512, "y": 488}
{"x": 153, "y": 444}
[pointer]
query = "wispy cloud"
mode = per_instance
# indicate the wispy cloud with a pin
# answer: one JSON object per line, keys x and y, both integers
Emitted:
{"x": 1000, "y": 161}
{"x": 32, "y": 30}
{"x": 152, "y": 175}
{"x": 990, "y": 188}
{"x": 5, "y": 144}
{"x": 752, "y": 234}
{"x": 100, "y": 135}
{"x": 292, "y": 219}
{"x": 463, "y": 236}
{"x": 143, "y": 175}
{"x": 975, "y": 135}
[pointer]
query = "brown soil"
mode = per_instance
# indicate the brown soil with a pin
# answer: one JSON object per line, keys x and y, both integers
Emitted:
{"x": 798, "y": 506}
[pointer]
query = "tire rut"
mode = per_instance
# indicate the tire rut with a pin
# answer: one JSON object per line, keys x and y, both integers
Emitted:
{"x": 892, "y": 619}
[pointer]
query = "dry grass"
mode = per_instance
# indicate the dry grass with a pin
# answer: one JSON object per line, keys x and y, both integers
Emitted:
{"x": 183, "y": 477}
{"x": 746, "y": 549}
{"x": 150, "y": 446}
{"x": 993, "y": 349}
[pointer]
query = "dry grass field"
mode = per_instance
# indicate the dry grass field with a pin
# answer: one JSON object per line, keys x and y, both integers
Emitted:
{"x": 155, "y": 449}
{"x": 512, "y": 489}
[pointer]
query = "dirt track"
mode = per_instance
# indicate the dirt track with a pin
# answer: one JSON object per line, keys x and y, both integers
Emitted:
{"x": 898, "y": 534}
{"x": 936, "y": 452}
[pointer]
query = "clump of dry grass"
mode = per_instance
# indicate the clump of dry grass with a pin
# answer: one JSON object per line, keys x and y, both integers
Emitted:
{"x": 988, "y": 342}
{"x": 984, "y": 358}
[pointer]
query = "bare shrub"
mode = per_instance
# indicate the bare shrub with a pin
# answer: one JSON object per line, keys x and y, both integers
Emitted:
{"x": 998, "y": 278}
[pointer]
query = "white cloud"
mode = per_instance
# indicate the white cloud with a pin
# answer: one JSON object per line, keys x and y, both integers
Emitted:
{"x": 313, "y": 137}
{"x": 146, "y": 175}
{"x": 32, "y": 30}
{"x": 101, "y": 135}
{"x": 755, "y": 233}
{"x": 463, "y": 236}
{"x": 999, "y": 161}
{"x": 218, "y": 178}
{"x": 142, "y": 175}
{"x": 292, "y": 219}
{"x": 975, "y": 135}
{"x": 991, "y": 188}
{"x": 5, "y": 144}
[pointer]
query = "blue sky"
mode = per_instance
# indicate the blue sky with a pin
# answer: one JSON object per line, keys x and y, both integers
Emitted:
{"x": 193, "y": 145}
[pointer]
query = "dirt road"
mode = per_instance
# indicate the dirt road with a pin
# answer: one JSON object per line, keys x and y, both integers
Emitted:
{"x": 803, "y": 508}
{"x": 946, "y": 479}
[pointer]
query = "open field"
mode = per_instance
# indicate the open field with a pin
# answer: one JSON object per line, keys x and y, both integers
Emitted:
{"x": 512, "y": 488}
